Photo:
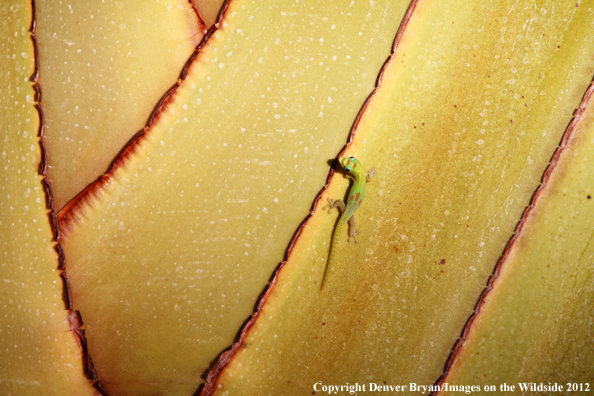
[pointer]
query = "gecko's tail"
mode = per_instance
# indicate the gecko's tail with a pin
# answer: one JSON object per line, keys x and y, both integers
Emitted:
{"x": 333, "y": 249}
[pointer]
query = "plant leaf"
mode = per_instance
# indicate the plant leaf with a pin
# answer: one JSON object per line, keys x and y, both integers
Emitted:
{"x": 540, "y": 307}
{"x": 103, "y": 68}
{"x": 460, "y": 130}
{"x": 168, "y": 254}
{"x": 38, "y": 352}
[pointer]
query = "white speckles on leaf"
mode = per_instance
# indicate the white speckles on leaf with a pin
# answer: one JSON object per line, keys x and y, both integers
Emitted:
{"x": 38, "y": 333}
{"x": 81, "y": 85}
{"x": 236, "y": 148}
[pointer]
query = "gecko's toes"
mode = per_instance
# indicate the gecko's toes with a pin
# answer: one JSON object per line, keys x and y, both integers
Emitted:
{"x": 354, "y": 236}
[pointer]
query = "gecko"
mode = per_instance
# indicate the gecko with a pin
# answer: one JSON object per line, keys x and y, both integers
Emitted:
{"x": 355, "y": 198}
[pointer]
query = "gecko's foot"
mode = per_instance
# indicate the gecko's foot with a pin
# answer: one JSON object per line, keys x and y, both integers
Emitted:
{"x": 370, "y": 174}
{"x": 330, "y": 205}
{"x": 333, "y": 204}
{"x": 354, "y": 236}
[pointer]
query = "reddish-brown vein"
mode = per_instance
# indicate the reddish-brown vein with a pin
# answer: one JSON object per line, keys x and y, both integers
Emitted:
{"x": 73, "y": 316}
{"x": 57, "y": 222}
{"x": 502, "y": 262}
{"x": 74, "y": 210}
{"x": 223, "y": 360}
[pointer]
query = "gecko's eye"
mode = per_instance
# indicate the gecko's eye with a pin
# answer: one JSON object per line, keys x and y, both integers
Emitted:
{"x": 352, "y": 158}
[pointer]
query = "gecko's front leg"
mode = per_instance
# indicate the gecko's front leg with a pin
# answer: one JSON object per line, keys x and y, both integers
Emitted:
{"x": 333, "y": 203}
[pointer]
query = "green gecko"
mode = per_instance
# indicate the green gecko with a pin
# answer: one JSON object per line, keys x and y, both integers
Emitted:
{"x": 356, "y": 194}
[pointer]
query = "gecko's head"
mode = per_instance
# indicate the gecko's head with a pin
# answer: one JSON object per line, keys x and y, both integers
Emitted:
{"x": 350, "y": 164}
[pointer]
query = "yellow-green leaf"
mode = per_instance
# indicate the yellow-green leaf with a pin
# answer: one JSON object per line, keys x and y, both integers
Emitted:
{"x": 39, "y": 354}
{"x": 104, "y": 65}
{"x": 168, "y": 254}
{"x": 535, "y": 326}
{"x": 461, "y": 129}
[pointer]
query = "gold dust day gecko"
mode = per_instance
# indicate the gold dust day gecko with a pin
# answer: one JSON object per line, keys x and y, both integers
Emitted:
{"x": 355, "y": 170}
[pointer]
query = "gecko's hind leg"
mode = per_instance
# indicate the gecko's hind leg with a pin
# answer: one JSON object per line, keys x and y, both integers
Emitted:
{"x": 352, "y": 232}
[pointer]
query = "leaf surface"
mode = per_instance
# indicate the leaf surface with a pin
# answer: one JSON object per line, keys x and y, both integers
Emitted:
{"x": 540, "y": 309}
{"x": 169, "y": 252}
{"x": 39, "y": 354}
{"x": 460, "y": 130}
{"x": 104, "y": 66}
